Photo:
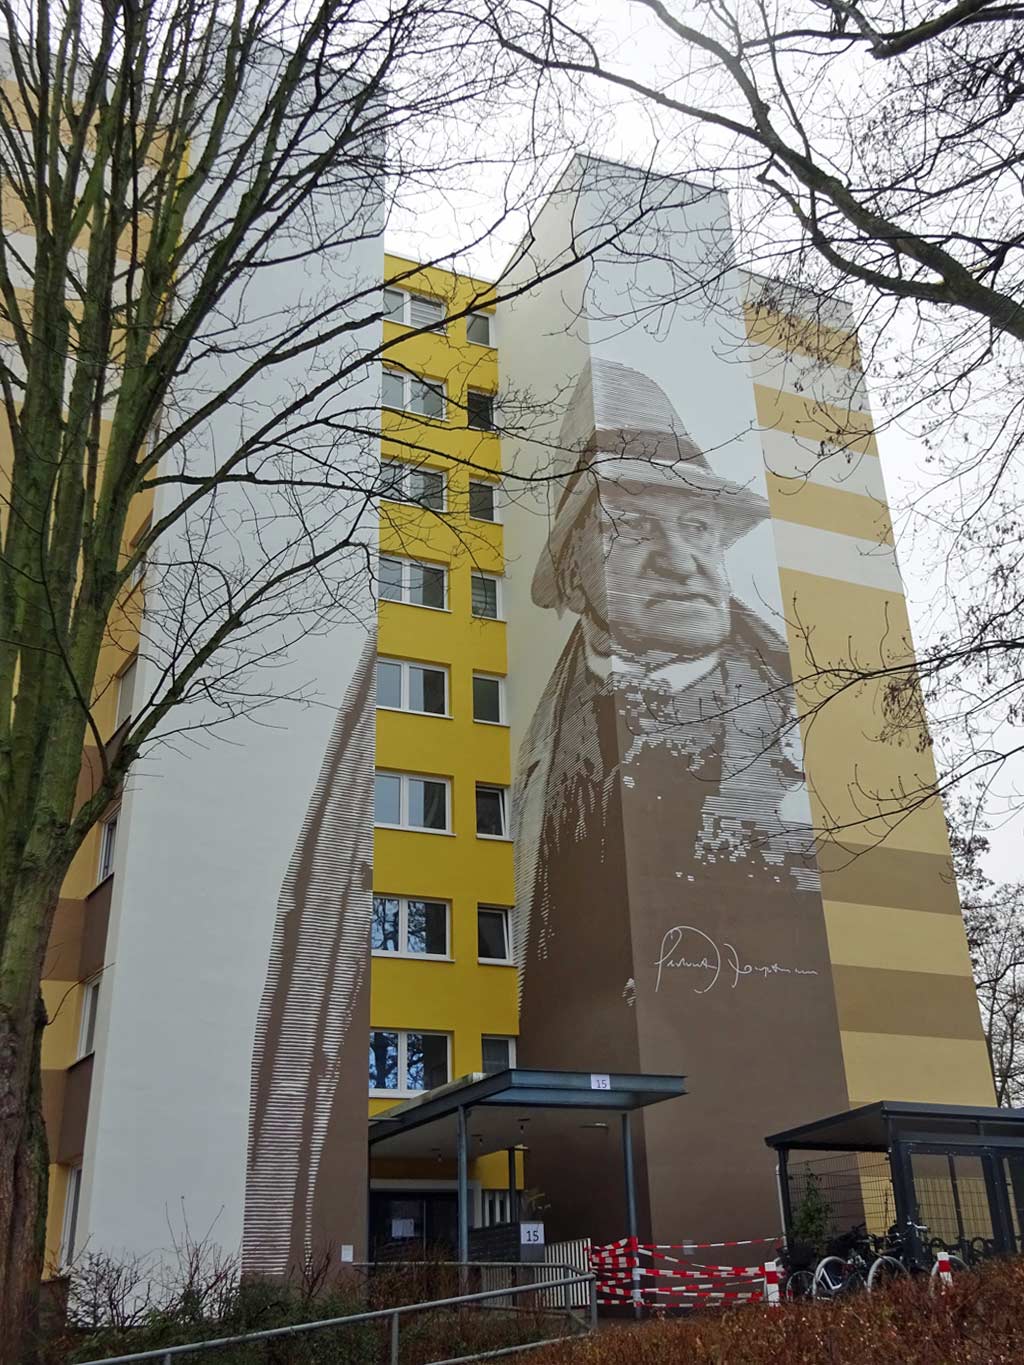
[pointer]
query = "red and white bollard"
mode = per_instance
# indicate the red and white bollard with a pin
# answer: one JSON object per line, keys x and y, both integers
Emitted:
{"x": 945, "y": 1273}
{"x": 771, "y": 1283}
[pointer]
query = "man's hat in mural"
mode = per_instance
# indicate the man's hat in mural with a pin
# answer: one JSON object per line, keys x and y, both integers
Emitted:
{"x": 621, "y": 431}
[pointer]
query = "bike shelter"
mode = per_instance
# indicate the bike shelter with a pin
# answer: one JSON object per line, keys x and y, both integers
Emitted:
{"x": 959, "y": 1171}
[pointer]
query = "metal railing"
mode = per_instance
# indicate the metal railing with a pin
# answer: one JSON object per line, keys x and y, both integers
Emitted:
{"x": 166, "y": 1354}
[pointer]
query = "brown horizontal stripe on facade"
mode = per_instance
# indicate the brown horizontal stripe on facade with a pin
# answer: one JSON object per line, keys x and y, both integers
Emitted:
{"x": 77, "y": 1088}
{"x": 923, "y": 1004}
{"x": 53, "y": 1082}
{"x": 64, "y": 950}
{"x": 879, "y": 875}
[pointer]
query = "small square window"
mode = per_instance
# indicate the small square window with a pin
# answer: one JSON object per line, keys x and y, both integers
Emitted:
{"x": 426, "y": 398}
{"x": 394, "y": 305}
{"x": 498, "y": 1054}
{"x": 427, "y": 928}
{"x": 90, "y": 1009}
{"x": 426, "y": 1061}
{"x": 426, "y": 487}
{"x": 426, "y": 585}
{"x": 392, "y": 390}
{"x": 428, "y": 804}
{"x": 389, "y": 684}
{"x": 487, "y": 699}
{"x": 108, "y": 843}
{"x": 387, "y": 799}
{"x": 480, "y": 410}
{"x": 427, "y": 690}
{"x": 384, "y": 1072}
{"x": 425, "y": 311}
{"x": 384, "y": 928}
{"x": 389, "y": 579}
{"x": 485, "y": 596}
{"x": 483, "y": 504}
{"x": 478, "y": 329}
{"x": 492, "y": 934}
{"x": 490, "y": 812}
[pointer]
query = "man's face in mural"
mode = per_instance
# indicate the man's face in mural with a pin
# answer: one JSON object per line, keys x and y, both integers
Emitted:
{"x": 658, "y": 583}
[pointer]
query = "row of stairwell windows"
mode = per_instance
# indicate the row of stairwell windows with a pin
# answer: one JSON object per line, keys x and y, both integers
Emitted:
{"x": 424, "y": 396}
{"x": 423, "y": 689}
{"x": 423, "y": 803}
{"x": 418, "y": 583}
{"x": 409, "y": 1061}
{"x": 424, "y": 312}
{"x": 403, "y": 481}
{"x": 407, "y": 926}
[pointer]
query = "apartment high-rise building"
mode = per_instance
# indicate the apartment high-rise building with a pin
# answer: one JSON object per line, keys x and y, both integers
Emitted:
{"x": 561, "y": 809}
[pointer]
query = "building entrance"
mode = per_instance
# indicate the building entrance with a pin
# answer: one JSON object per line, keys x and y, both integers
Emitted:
{"x": 409, "y": 1222}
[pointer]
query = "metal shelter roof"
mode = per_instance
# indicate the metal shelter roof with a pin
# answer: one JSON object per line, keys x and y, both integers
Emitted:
{"x": 510, "y": 1107}
{"x": 871, "y": 1127}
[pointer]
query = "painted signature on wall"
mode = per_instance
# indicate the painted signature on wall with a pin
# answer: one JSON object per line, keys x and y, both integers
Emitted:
{"x": 679, "y": 953}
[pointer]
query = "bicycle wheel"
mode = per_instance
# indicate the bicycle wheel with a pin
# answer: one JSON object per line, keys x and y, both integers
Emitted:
{"x": 799, "y": 1285}
{"x": 884, "y": 1271}
{"x": 830, "y": 1275}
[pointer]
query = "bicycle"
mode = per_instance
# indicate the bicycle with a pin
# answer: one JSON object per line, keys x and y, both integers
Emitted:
{"x": 797, "y": 1261}
{"x": 899, "y": 1256}
{"x": 844, "y": 1270}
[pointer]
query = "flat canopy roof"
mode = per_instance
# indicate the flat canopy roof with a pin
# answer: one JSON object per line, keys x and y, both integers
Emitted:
{"x": 871, "y": 1127}
{"x": 510, "y": 1107}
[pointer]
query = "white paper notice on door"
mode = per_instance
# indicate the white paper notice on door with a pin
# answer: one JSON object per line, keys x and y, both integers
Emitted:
{"x": 403, "y": 1227}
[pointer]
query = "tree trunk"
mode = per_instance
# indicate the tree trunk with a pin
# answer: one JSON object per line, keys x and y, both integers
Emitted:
{"x": 23, "y": 1182}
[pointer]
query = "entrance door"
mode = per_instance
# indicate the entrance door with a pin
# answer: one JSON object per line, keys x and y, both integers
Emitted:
{"x": 407, "y": 1223}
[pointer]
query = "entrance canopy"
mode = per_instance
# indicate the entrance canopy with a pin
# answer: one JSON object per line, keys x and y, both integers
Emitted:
{"x": 480, "y": 1114}
{"x": 872, "y": 1127}
{"x": 509, "y": 1107}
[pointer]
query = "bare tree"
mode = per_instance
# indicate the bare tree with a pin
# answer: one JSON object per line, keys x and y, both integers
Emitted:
{"x": 193, "y": 193}
{"x": 994, "y": 919}
{"x": 872, "y": 151}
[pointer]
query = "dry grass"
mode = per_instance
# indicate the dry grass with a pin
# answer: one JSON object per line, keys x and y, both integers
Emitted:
{"x": 978, "y": 1321}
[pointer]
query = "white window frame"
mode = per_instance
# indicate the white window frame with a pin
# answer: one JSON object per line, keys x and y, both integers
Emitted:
{"x": 499, "y": 606}
{"x": 407, "y": 297}
{"x": 499, "y": 1038}
{"x": 485, "y": 393}
{"x": 108, "y": 846}
{"x": 403, "y": 949}
{"x": 131, "y": 669}
{"x": 69, "y": 1222}
{"x": 403, "y": 1091}
{"x": 505, "y": 793}
{"x": 407, "y": 381}
{"x": 494, "y": 484}
{"x": 406, "y": 665}
{"x": 502, "y": 711}
{"x": 403, "y": 470}
{"x": 495, "y": 1208}
{"x": 403, "y": 799}
{"x": 404, "y": 600}
{"x": 87, "y": 1018}
{"x": 507, "y": 913}
{"x": 491, "y": 341}
{"x": 139, "y": 572}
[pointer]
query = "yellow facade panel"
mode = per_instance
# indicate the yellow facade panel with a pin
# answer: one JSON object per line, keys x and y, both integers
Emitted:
{"x": 845, "y": 427}
{"x": 884, "y": 1066}
{"x": 900, "y": 940}
{"x": 796, "y": 335}
{"x": 831, "y": 509}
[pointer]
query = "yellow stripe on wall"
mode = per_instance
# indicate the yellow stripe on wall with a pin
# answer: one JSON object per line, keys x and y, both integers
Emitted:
{"x": 829, "y": 509}
{"x": 880, "y": 1066}
{"x": 803, "y": 336}
{"x": 896, "y": 939}
{"x": 842, "y": 427}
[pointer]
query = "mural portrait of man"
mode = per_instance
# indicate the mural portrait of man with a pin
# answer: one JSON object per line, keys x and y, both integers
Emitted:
{"x": 664, "y": 877}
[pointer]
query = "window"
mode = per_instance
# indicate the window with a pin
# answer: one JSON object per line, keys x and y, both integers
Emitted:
{"x": 406, "y": 580}
{"x": 409, "y": 393}
{"x": 125, "y": 694}
{"x": 478, "y": 328}
{"x": 488, "y": 699}
{"x": 483, "y": 500}
{"x": 492, "y": 934}
{"x": 139, "y": 572}
{"x": 413, "y": 310}
{"x": 403, "y": 686}
{"x": 490, "y": 812}
{"x": 403, "y": 925}
{"x": 87, "y": 1024}
{"x": 407, "y": 483}
{"x": 496, "y": 1207}
{"x": 72, "y": 1199}
{"x": 108, "y": 842}
{"x": 498, "y": 1054}
{"x": 406, "y": 1062}
{"x": 486, "y": 596}
{"x": 410, "y": 802}
{"x": 480, "y": 410}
